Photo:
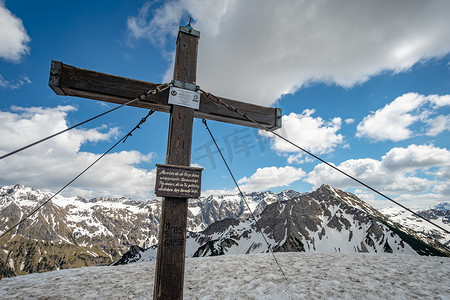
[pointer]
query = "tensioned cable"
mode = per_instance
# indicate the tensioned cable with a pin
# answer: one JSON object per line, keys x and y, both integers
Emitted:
{"x": 124, "y": 138}
{"x": 67, "y": 129}
{"x": 232, "y": 108}
{"x": 158, "y": 89}
{"x": 245, "y": 200}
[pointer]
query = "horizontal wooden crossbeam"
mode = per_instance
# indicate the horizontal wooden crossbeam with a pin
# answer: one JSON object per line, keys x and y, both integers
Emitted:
{"x": 68, "y": 80}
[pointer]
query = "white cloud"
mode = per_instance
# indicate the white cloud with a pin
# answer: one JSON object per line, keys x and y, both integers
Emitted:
{"x": 370, "y": 198}
{"x": 443, "y": 188}
{"x": 443, "y": 172}
{"x": 313, "y": 134}
{"x": 263, "y": 179}
{"x": 258, "y": 50}
{"x": 50, "y": 165}
{"x": 416, "y": 157}
{"x": 22, "y": 126}
{"x": 395, "y": 120}
{"x": 396, "y": 173}
{"x": 165, "y": 19}
{"x": 298, "y": 158}
{"x": 13, "y": 84}
{"x": 412, "y": 201}
{"x": 167, "y": 15}
{"x": 439, "y": 101}
{"x": 208, "y": 193}
{"x": 438, "y": 125}
{"x": 392, "y": 122}
{"x": 422, "y": 201}
{"x": 13, "y": 36}
{"x": 270, "y": 177}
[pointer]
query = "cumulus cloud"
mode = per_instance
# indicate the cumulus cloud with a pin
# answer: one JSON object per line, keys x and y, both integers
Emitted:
{"x": 13, "y": 36}
{"x": 270, "y": 177}
{"x": 416, "y": 157}
{"x": 393, "y": 174}
{"x": 50, "y": 165}
{"x": 438, "y": 125}
{"x": 313, "y": 134}
{"x": 263, "y": 179}
{"x": 258, "y": 50}
{"x": 395, "y": 120}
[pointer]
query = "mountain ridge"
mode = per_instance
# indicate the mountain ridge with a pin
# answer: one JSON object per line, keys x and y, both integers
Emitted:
{"x": 74, "y": 232}
{"x": 99, "y": 230}
{"x": 326, "y": 220}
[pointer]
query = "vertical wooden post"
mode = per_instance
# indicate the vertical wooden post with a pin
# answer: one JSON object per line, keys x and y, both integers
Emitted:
{"x": 170, "y": 262}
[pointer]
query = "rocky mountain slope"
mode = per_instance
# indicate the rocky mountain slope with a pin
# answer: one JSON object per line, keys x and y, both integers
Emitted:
{"x": 71, "y": 232}
{"x": 325, "y": 221}
{"x": 75, "y": 232}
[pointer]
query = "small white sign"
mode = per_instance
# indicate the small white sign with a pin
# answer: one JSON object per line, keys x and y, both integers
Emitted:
{"x": 184, "y": 97}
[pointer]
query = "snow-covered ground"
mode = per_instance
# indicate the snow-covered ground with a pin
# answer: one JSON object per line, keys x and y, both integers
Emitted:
{"x": 256, "y": 276}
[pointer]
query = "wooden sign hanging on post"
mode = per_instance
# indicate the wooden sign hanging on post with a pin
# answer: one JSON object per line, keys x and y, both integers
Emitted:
{"x": 178, "y": 181}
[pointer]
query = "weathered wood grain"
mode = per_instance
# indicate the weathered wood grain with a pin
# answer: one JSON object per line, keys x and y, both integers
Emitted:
{"x": 72, "y": 81}
{"x": 170, "y": 262}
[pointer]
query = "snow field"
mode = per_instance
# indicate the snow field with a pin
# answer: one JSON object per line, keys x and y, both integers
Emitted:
{"x": 254, "y": 276}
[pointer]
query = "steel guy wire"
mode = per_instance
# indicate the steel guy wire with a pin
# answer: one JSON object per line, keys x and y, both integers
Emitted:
{"x": 123, "y": 139}
{"x": 156, "y": 90}
{"x": 245, "y": 200}
{"x": 232, "y": 108}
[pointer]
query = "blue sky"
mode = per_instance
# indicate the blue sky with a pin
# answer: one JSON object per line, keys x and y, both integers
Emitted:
{"x": 363, "y": 85}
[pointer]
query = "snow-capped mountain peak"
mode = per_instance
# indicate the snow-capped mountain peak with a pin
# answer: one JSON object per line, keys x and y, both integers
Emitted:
{"x": 444, "y": 206}
{"x": 100, "y": 230}
{"x": 326, "y": 220}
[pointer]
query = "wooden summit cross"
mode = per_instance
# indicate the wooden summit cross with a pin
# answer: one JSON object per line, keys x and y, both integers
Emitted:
{"x": 72, "y": 81}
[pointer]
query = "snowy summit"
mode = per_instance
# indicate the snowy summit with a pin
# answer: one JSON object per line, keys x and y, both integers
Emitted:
{"x": 254, "y": 276}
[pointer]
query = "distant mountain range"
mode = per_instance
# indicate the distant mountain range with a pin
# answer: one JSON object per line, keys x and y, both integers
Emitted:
{"x": 326, "y": 220}
{"x": 75, "y": 232}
